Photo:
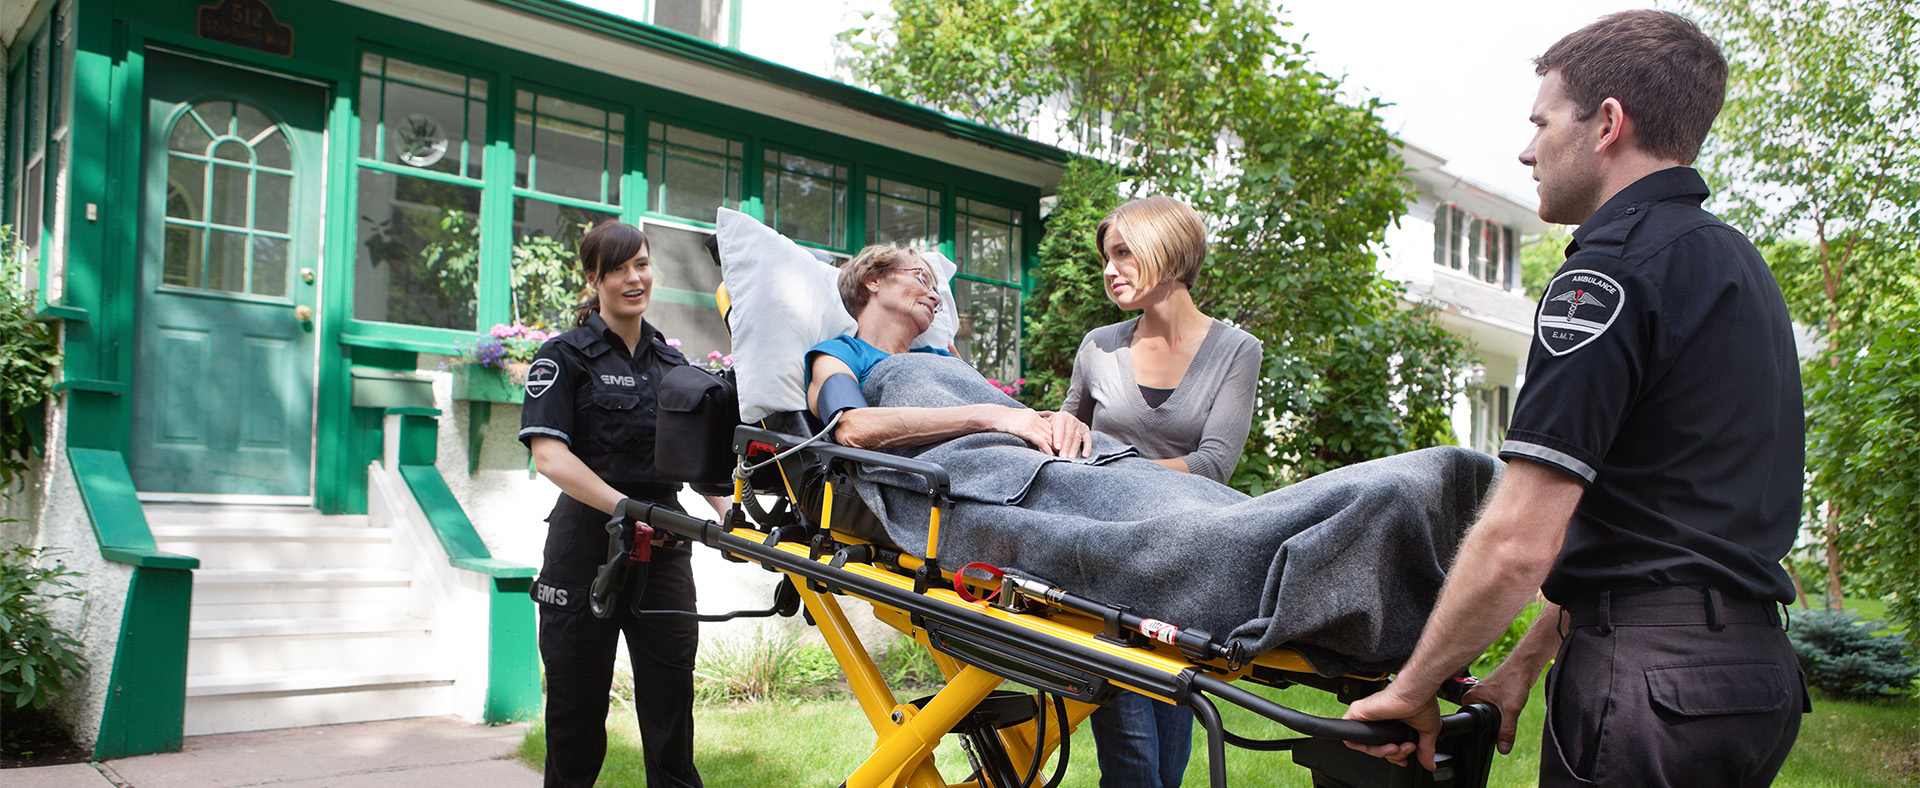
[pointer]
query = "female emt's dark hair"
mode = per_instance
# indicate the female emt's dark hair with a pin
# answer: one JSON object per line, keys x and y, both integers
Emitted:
{"x": 605, "y": 247}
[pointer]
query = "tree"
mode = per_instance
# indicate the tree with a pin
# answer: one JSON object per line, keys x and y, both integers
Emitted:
{"x": 1208, "y": 102}
{"x": 1816, "y": 154}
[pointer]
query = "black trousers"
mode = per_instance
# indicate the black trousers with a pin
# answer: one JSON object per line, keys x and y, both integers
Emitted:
{"x": 578, "y": 652}
{"x": 1670, "y": 687}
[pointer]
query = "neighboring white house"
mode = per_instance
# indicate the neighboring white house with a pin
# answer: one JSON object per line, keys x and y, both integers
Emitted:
{"x": 1458, "y": 250}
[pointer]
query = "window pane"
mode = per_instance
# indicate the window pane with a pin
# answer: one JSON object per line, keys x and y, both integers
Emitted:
{"x": 251, "y": 122}
{"x": 902, "y": 212}
{"x": 218, "y": 115}
{"x": 418, "y": 251}
{"x": 423, "y": 128}
{"x": 681, "y": 261}
{"x": 269, "y": 266}
{"x": 546, "y": 280}
{"x": 182, "y": 267}
{"x": 989, "y": 248}
{"x": 1440, "y": 215}
{"x": 189, "y": 136}
{"x": 806, "y": 199}
{"x": 186, "y": 188}
{"x": 690, "y": 174}
{"x": 989, "y": 328}
{"x": 429, "y": 118}
{"x": 227, "y": 202}
{"x": 370, "y": 116}
{"x": 271, "y": 151}
{"x": 571, "y": 147}
{"x": 272, "y": 199}
{"x": 697, "y": 18}
{"x": 227, "y": 262}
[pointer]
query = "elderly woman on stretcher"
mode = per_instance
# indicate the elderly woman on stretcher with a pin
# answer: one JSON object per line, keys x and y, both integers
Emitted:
{"x": 1342, "y": 567}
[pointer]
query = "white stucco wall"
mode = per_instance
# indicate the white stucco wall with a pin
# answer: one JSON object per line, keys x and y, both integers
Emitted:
{"x": 94, "y": 618}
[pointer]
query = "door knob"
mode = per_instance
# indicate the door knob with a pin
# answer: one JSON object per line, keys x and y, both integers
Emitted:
{"x": 303, "y": 313}
{"x": 306, "y": 275}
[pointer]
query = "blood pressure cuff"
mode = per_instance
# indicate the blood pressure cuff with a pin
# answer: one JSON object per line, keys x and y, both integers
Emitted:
{"x": 840, "y": 392}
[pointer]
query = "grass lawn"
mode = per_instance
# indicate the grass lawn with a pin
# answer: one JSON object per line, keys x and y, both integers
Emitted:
{"x": 1843, "y": 744}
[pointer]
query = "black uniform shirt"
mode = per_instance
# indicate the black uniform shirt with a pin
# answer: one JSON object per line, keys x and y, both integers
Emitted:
{"x": 584, "y": 389}
{"x": 1663, "y": 375}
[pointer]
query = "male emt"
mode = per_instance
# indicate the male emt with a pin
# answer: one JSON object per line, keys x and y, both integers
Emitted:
{"x": 1655, "y": 456}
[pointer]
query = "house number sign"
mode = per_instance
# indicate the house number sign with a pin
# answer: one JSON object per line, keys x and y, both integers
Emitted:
{"x": 247, "y": 23}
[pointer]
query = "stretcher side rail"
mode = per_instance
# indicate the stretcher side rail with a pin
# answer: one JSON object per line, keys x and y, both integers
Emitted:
{"x": 1191, "y": 686}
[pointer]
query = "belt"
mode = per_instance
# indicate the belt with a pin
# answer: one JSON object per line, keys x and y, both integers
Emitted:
{"x": 1670, "y": 606}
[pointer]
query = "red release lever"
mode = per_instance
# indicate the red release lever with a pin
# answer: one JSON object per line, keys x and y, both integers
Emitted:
{"x": 642, "y": 551}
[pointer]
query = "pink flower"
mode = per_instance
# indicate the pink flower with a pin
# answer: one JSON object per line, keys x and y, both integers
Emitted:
{"x": 671, "y": 342}
{"x": 727, "y": 360}
{"x": 715, "y": 355}
{"x": 992, "y": 382}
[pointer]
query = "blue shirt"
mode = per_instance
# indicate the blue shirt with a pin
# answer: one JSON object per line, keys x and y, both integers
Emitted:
{"x": 858, "y": 355}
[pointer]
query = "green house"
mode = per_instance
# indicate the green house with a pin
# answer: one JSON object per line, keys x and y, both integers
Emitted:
{"x": 267, "y": 229}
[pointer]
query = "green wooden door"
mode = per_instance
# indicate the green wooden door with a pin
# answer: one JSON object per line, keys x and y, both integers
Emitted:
{"x": 230, "y": 222}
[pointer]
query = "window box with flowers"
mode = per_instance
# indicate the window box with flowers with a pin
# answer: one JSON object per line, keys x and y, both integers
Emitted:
{"x": 496, "y": 364}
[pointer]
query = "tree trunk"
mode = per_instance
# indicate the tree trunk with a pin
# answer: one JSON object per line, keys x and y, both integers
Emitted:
{"x": 1833, "y": 557}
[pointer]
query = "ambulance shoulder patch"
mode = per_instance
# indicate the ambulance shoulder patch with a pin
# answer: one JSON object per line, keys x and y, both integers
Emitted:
{"x": 1578, "y": 307}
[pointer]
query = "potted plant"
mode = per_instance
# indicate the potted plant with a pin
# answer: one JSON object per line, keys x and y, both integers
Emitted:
{"x": 497, "y": 361}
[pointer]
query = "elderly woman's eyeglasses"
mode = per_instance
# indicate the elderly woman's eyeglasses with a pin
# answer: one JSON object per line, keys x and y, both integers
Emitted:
{"x": 920, "y": 275}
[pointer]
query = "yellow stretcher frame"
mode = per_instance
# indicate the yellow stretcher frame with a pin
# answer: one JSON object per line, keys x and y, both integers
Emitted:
{"x": 1040, "y": 641}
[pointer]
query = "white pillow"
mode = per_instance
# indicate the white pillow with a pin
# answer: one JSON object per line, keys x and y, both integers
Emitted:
{"x": 783, "y": 302}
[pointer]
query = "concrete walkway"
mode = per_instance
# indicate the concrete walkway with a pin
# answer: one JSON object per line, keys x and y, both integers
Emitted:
{"x": 428, "y": 752}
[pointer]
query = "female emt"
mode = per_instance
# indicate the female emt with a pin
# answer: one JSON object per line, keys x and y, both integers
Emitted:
{"x": 589, "y": 420}
{"x": 1179, "y": 386}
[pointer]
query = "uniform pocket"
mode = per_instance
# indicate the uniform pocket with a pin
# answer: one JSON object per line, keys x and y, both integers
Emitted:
{"x": 611, "y": 423}
{"x": 1719, "y": 688}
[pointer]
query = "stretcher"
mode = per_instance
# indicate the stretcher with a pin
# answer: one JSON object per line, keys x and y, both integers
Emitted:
{"x": 986, "y": 627}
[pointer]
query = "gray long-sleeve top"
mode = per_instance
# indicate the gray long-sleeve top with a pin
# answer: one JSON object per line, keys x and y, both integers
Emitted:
{"x": 1204, "y": 422}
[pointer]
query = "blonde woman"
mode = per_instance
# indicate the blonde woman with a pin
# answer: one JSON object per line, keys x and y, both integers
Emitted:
{"x": 1179, "y": 386}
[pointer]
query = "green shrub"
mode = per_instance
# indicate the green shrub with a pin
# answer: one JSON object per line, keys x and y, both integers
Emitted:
{"x": 1504, "y": 645}
{"x": 906, "y": 663}
{"x": 29, "y": 361}
{"x": 37, "y": 660}
{"x": 768, "y": 663}
{"x": 1843, "y": 657}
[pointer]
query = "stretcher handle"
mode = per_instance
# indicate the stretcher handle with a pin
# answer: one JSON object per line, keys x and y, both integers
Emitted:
{"x": 1357, "y": 731}
{"x": 935, "y": 475}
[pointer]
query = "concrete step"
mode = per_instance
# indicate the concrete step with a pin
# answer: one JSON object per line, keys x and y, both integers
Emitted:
{"x": 218, "y": 648}
{"x": 279, "y": 547}
{"x": 288, "y": 699}
{"x": 170, "y": 514}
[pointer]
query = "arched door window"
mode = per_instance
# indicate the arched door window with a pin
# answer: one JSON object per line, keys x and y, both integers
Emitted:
{"x": 229, "y": 191}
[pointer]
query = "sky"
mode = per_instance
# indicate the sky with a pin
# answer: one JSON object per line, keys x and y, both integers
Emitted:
{"x": 1458, "y": 74}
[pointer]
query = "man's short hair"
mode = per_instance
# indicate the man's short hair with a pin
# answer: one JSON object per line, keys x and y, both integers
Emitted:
{"x": 872, "y": 262}
{"x": 1168, "y": 238}
{"x": 1670, "y": 77}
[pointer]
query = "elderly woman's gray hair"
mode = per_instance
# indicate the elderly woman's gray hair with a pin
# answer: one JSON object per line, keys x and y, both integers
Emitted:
{"x": 872, "y": 262}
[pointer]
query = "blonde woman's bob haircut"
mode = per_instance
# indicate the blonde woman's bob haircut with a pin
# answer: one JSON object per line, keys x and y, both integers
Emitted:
{"x": 871, "y": 263}
{"x": 1168, "y": 239}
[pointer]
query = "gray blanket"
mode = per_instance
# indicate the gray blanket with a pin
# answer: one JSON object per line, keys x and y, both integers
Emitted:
{"x": 1343, "y": 567}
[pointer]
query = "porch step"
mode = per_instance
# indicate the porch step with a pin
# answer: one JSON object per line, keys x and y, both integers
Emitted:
{"x": 299, "y": 618}
{"x": 169, "y": 514}
{"x": 269, "y": 700}
{"x": 295, "y": 627}
{"x": 286, "y": 682}
{"x": 264, "y": 547}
